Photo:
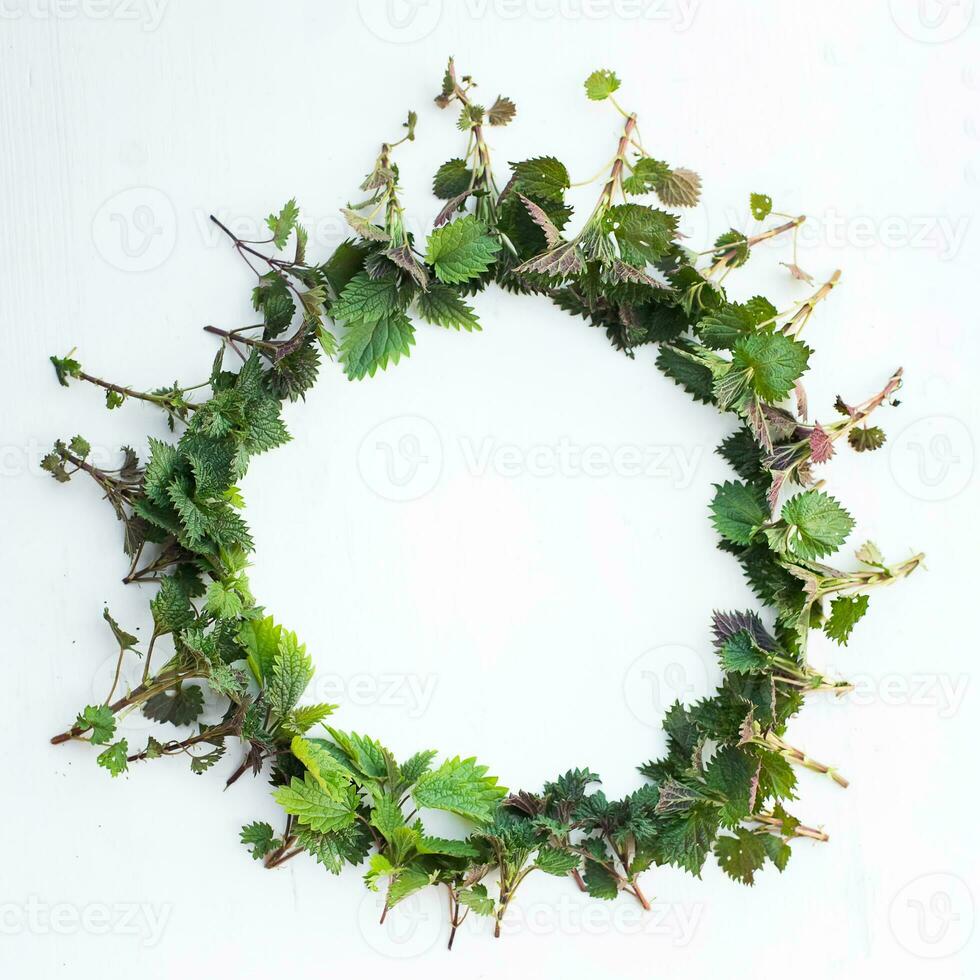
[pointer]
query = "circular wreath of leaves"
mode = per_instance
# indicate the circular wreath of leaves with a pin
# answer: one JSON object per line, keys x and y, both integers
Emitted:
{"x": 728, "y": 774}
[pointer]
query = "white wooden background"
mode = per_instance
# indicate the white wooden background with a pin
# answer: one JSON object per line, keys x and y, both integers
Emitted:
{"x": 538, "y": 598}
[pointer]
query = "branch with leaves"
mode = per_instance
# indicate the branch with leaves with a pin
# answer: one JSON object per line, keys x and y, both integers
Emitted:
{"x": 729, "y": 773}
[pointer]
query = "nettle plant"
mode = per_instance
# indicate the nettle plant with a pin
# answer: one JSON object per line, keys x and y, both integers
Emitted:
{"x": 728, "y": 779}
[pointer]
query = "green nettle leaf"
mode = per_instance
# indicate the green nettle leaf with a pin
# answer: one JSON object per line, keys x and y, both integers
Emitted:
{"x": 387, "y": 816}
{"x": 371, "y": 344}
{"x": 368, "y": 757}
{"x": 760, "y": 205}
{"x": 300, "y": 720}
{"x": 601, "y": 84}
{"x": 646, "y": 174}
{"x": 224, "y": 601}
{"x": 461, "y": 787}
{"x": 553, "y": 861}
{"x": 171, "y": 608}
{"x": 774, "y": 363}
{"x": 461, "y": 250}
{"x": 741, "y": 856}
{"x": 477, "y": 899}
{"x": 733, "y": 247}
{"x": 845, "y": 611}
{"x": 292, "y": 670}
{"x": 282, "y": 224}
{"x": 260, "y": 838}
{"x": 600, "y": 881}
{"x": 366, "y": 299}
{"x": 418, "y": 764}
{"x": 739, "y": 654}
{"x": 307, "y": 801}
{"x": 542, "y": 179}
{"x": 332, "y": 777}
{"x": 643, "y": 234}
{"x": 65, "y": 368}
{"x": 100, "y": 720}
{"x": 125, "y": 640}
{"x": 115, "y": 758}
{"x": 406, "y": 883}
{"x": 738, "y": 511}
{"x": 816, "y": 524}
{"x": 866, "y": 439}
{"x": 444, "y": 307}
{"x": 731, "y": 774}
{"x": 181, "y": 706}
{"x": 261, "y": 639}
{"x": 452, "y": 179}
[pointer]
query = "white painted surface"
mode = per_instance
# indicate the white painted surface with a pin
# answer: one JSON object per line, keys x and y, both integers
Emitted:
{"x": 515, "y": 612}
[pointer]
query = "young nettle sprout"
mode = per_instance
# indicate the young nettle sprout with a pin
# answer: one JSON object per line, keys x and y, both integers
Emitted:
{"x": 729, "y": 772}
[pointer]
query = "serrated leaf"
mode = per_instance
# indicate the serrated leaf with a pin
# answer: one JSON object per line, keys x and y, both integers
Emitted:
{"x": 329, "y": 774}
{"x": 774, "y": 363}
{"x": 680, "y": 188}
{"x": 543, "y": 179}
{"x": 817, "y": 525}
{"x": 461, "y": 250}
{"x": 282, "y": 224}
{"x": 476, "y": 898}
{"x": 101, "y": 721}
{"x": 371, "y": 344}
{"x": 501, "y": 112}
{"x": 866, "y": 439}
{"x": 366, "y": 299}
{"x": 368, "y": 231}
{"x": 738, "y": 510}
{"x": 179, "y": 707}
{"x": 307, "y": 801}
{"x": 741, "y": 856}
{"x": 601, "y": 84}
{"x": 460, "y": 786}
{"x": 556, "y": 862}
{"x": 260, "y": 838}
{"x": 368, "y": 756}
{"x": 845, "y": 611}
{"x": 452, "y": 179}
{"x": 444, "y": 307}
{"x": 387, "y": 816}
{"x": 292, "y": 670}
{"x": 760, "y": 205}
{"x": 300, "y": 720}
{"x": 739, "y": 654}
{"x": 115, "y": 758}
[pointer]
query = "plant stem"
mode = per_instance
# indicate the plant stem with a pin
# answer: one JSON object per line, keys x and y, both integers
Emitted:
{"x": 801, "y": 831}
{"x": 792, "y": 754}
{"x": 137, "y": 696}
